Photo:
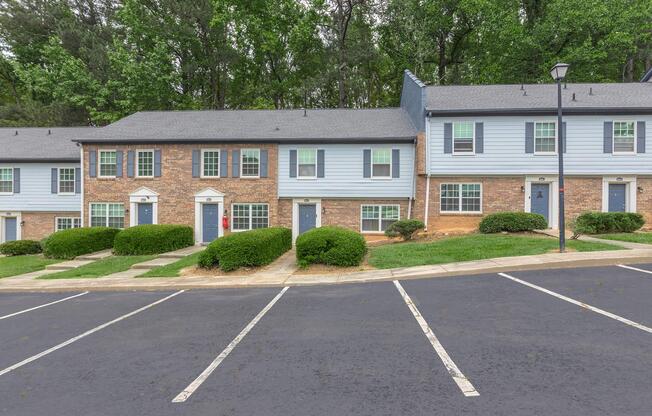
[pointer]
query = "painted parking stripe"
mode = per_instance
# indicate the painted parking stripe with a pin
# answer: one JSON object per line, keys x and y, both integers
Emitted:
{"x": 85, "y": 334}
{"x": 42, "y": 306}
{"x": 580, "y": 304}
{"x": 634, "y": 268}
{"x": 192, "y": 387}
{"x": 462, "y": 382}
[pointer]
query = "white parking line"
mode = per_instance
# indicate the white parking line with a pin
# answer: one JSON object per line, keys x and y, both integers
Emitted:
{"x": 462, "y": 382}
{"x": 42, "y": 306}
{"x": 634, "y": 268}
{"x": 580, "y": 304}
{"x": 188, "y": 391}
{"x": 85, "y": 334}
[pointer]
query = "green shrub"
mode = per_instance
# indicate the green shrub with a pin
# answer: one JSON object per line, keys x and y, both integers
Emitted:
{"x": 607, "y": 222}
{"x": 404, "y": 228}
{"x": 246, "y": 249}
{"x": 512, "y": 222}
{"x": 68, "y": 244}
{"x": 152, "y": 239}
{"x": 20, "y": 247}
{"x": 331, "y": 245}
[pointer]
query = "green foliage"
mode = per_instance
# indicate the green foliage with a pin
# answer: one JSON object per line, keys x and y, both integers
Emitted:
{"x": 15, "y": 265}
{"x": 152, "y": 239}
{"x": 99, "y": 268}
{"x": 334, "y": 246}
{"x": 607, "y": 222}
{"x": 20, "y": 247}
{"x": 404, "y": 228}
{"x": 68, "y": 244}
{"x": 247, "y": 249}
{"x": 512, "y": 222}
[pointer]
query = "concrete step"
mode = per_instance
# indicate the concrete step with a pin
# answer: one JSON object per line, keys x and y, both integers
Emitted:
{"x": 157, "y": 262}
{"x": 67, "y": 265}
{"x": 179, "y": 254}
{"x": 98, "y": 255}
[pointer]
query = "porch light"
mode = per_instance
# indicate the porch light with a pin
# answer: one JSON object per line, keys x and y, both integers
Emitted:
{"x": 558, "y": 72}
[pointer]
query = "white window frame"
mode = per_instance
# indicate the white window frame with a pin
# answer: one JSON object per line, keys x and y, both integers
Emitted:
{"x": 74, "y": 182}
{"x": 99, "y": 163}
{"x": 106, "y": 217}
{"x": 11, "y": 170}
{"x": 459, "y": 196}
{"x": 299, "y": 176}
{"x": 137, "y": 173}
{"x": 201, "y": 164}
{"x": 250, "y": 215}
{"x": 613, "y": 138}
{"x": 390, "y": 163}
{"x": 458, "y": 153}
{"x": 72, "y": 222}
{"x": 242, "y": 163}
{"x": 380, "y": 216}
{"x": 556, "y": 138}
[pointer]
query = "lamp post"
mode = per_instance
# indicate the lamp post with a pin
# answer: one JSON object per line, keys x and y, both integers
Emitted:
{"x": 558, "y": 73}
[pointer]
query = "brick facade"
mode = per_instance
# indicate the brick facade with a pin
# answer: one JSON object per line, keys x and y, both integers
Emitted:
{"x": 582, "y": 194}
{"x": 644, "y": 199}
{"x": 38, "y": 225}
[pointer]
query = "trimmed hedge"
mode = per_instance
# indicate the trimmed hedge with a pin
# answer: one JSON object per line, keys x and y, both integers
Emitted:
{"x": 68, "y": 244}
{"x": 512, "y": 222}
{"x": 404, "y": 228}
{"x": 335, "y": 246}
{"x": 246, "y": 249}
{"x": 152, "y": 239}
{"x": 20, "y": 247}
{"x": 607, "y": 222}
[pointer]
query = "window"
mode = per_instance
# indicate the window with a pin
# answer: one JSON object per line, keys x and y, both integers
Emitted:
{"x": 107, "y": 215}
{"x": 624, "y": 137}
{"x": 307, "y": 163}
{"x": 210, "y": 162}
{"x": 250, "y": 162}
{"x": 66, "y": 180}
{"x": 376, "y": 218}
{"x": 381, "y": 163}
{"x": 107, "y": 163}
{"x": 64, "y": 223}
{"x": 545, "y": 137}
{"x": 461, "y": 197}
{"x": 145, "y": 164}
{"x": 250, "y": 216}
{"x": 463, "y": 137}
{"x": 6, "y": 180}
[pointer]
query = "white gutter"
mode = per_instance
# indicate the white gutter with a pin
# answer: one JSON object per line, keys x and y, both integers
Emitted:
{"x": 427, "y": 146}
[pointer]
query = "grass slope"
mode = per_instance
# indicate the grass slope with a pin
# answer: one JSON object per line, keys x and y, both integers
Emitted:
{"x": 15, "y": 265}
{"x": 173, "y": 269}
{"x": 643, "y": 238}
{"x": 99, "y": 268}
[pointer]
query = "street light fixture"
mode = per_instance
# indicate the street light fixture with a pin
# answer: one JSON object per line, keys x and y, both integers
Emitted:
{"x": 558, "y": 73}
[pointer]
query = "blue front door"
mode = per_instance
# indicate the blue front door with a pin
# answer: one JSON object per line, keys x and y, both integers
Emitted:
{"x": 10, "y": 228}
{"x": 540, "y": 200}
{"x": 145, "y": 213}
{"x": 617, "y": 197}
{"x": 307, "y": 217}
{"x": 210, "y": 222}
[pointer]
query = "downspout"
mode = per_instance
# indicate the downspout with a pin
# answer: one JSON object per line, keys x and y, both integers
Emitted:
{"x": 427, "y": 146}
{"x": 414, "y": 178}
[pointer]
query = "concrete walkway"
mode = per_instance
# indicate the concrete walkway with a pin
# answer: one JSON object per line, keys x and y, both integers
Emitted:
{"x": 162, "y": 260}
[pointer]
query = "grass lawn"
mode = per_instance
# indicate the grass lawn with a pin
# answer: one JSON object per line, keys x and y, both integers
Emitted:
{"x": 471, "y": 247}
{"x": 173, "y": 269}
{"x": 99, "y": 268}
{"x": 644, "y": 238}
{"x": 15, "y": 265}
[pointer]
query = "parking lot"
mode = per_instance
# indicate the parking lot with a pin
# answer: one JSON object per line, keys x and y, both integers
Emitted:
{"x": 552, "y": 342}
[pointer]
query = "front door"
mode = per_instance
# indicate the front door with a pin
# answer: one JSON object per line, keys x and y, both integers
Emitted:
{"x": 307, "y": 217}
{"x": 617, "y": 197}
{"x": 540, "y": 200}
{"x": 145, "y": 213}
{"x": 210, "y": 222}
{"x": 10, "y": 229}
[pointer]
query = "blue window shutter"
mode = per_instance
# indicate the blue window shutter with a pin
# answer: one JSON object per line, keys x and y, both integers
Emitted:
{"x": 640, "y": 137}
{"x": 235, "y": 163}
{"x": 529, "y": 137}
{"x": 92, "y": 163}
{"x": 78, "y": 180}
{"x": 321, "y": 159}
{"x": 263, "y": 163}
{"x": 293, "y": 163}
{"x": 131, "y": 163}
{"x": 16, "y": 180}
{"x": 54, "y": 180}
{"x": 366, "y": 163}
{"x": 479, "y": 137}
{"x": 118, "y": 164}
{"x": 157, "y": 163}
{"x": 396, "y": 163}
{"x": 448, "y": 137}
{"x": 196, "y": 153}
{"x": 224, "y": 163}
{"x": 607, "y": 144}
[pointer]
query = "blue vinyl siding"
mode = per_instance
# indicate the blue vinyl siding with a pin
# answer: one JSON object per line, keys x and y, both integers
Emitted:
{"x": 35, "y": 190}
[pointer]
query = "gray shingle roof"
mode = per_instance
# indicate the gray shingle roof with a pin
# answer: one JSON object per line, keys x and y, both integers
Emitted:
{"x": 540, "y": 98}
{"x": 34, "y": 144}
{"x": 286, "y": 126}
